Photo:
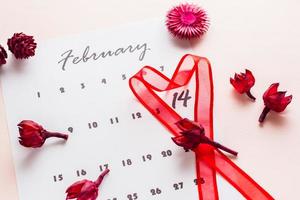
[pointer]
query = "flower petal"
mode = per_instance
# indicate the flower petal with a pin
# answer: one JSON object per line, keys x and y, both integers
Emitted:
{"x": 186, "y": 124}
{"x": 89, "y": 191}
{"x": 29, "y": 124}
{"x": 74, "y": 190}
{"x": 250, "y": 78}
{"x": 237, "y": 85}
{"x": 271, "y": 90}
{"x": 32, "y": 141}
{"x": 276, "y": 100}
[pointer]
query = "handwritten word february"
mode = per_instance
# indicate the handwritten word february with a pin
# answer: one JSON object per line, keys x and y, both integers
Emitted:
{"x": 69, "y": 57}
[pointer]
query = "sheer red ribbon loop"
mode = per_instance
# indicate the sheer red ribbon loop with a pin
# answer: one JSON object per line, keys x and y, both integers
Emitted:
{"x": 208, "y": 159}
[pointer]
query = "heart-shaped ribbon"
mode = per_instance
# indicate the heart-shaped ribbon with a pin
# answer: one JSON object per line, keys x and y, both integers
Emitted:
{"x": 209, "y": 160}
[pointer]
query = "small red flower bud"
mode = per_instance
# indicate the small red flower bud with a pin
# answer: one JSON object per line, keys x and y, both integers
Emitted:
{"x": 193, "y": 134}
{"x": 21, "y": 45}
{"x": 243, "y": 83}
{"x": 274, "y": 100}
{"x": 34, "y": 135}
{"x": 3, "y": 55}
{"x": 85, "y": 189}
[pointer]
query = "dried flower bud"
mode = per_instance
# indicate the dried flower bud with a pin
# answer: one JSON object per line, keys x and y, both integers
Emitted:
{"x": 3, "y": 56}
{"x": 193, "y": 135}
{"x": 243, "y": 83}
{"x": 34, "y": 135}
{"x": 85, "y": 189}
{"x": 274, "y": 100}
{"x": 21, "y": 45}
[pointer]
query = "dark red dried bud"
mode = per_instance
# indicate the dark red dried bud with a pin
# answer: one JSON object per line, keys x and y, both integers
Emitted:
{"x": 243, "y": 83}
{"x": 274, "y": 100}
{"x": 193, "y": 134}
{"x": 3, "y": 55}
{"x": 85, "y": 189}
{"x": 34, "y": 135}
{"x": 21, "y": 45}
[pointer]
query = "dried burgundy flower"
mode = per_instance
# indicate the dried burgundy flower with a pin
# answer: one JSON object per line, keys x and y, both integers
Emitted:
{"x": 187, "y": 21}
{"x": 3, "y": 55}
{"x": 85, "y": 189}
{"x": 34, "y": 135}
{"x": 274, "y": 100}
{"x": 243, "y": 83}
{"x": 21, "y": 45}
{"x": 193, "y": 134}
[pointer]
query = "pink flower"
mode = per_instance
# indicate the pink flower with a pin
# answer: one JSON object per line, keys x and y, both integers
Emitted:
{"x": 187, "y": 21}
{"x": 34, "y": 135}
{"x": 3, "y": 55}
{"x": 243, "y": 83}
{"x": 274, "y": 100}
{"x": 193, "y": 135}
{"x": 85, "y": 189}
{"x": 21, "y": 45}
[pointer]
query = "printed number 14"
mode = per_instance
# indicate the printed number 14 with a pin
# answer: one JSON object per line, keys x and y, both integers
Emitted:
{"x": 183, "y": 96}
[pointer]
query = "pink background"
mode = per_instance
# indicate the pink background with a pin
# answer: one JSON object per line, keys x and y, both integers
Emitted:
{"x": 261, "y": 35}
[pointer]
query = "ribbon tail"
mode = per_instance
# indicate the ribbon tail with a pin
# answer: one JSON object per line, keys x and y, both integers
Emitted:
{"x": 236, "y": 176}
{"x": 206, "y": 179}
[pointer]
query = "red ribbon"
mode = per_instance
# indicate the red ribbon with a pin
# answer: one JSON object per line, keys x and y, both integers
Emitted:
{"x": 209, "y": 160}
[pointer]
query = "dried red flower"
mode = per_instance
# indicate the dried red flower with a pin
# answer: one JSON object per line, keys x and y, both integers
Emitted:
{"x": 274, "y": 100}
{"x": 34, "y": 135}
{"x": 243, "y": 83}
{"x": 187, "y": 21}
{"x": 21, "y": 45}
{"x": 193, "y": 134}
{"x": 3, "y": 55}
{"x": 85, "y": 189}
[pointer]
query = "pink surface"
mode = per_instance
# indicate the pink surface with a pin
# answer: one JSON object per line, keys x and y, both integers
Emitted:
{"x": 260, "y": 35}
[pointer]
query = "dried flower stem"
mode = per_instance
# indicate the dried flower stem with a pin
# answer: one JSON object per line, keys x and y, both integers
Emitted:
{"x": 101, "y": 177}
{"x": 55, "y": 134}
{"x": 250, "y": 95}
{"x": 264, "y": 114}
{"x": 219, "y": 146}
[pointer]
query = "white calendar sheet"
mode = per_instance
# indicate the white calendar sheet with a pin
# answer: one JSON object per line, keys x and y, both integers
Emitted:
{"x": 79, "y": 85}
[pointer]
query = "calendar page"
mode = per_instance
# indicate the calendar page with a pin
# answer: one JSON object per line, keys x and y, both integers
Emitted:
{"x": 79, "y": 85}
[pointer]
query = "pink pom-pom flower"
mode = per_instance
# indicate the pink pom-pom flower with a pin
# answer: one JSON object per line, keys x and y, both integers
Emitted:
{"x": 187, "y": 21}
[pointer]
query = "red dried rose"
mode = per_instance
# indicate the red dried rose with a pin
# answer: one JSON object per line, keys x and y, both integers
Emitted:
{"x": 193, "y": 134}
{"x": 34, "y": 135}
{"x": 85, "y": 189}
{"x": 21, "y": 45}
{"x": 274, "y": 100}
{"x": 3, "y": 55}
{"x": 243, "y": 83}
